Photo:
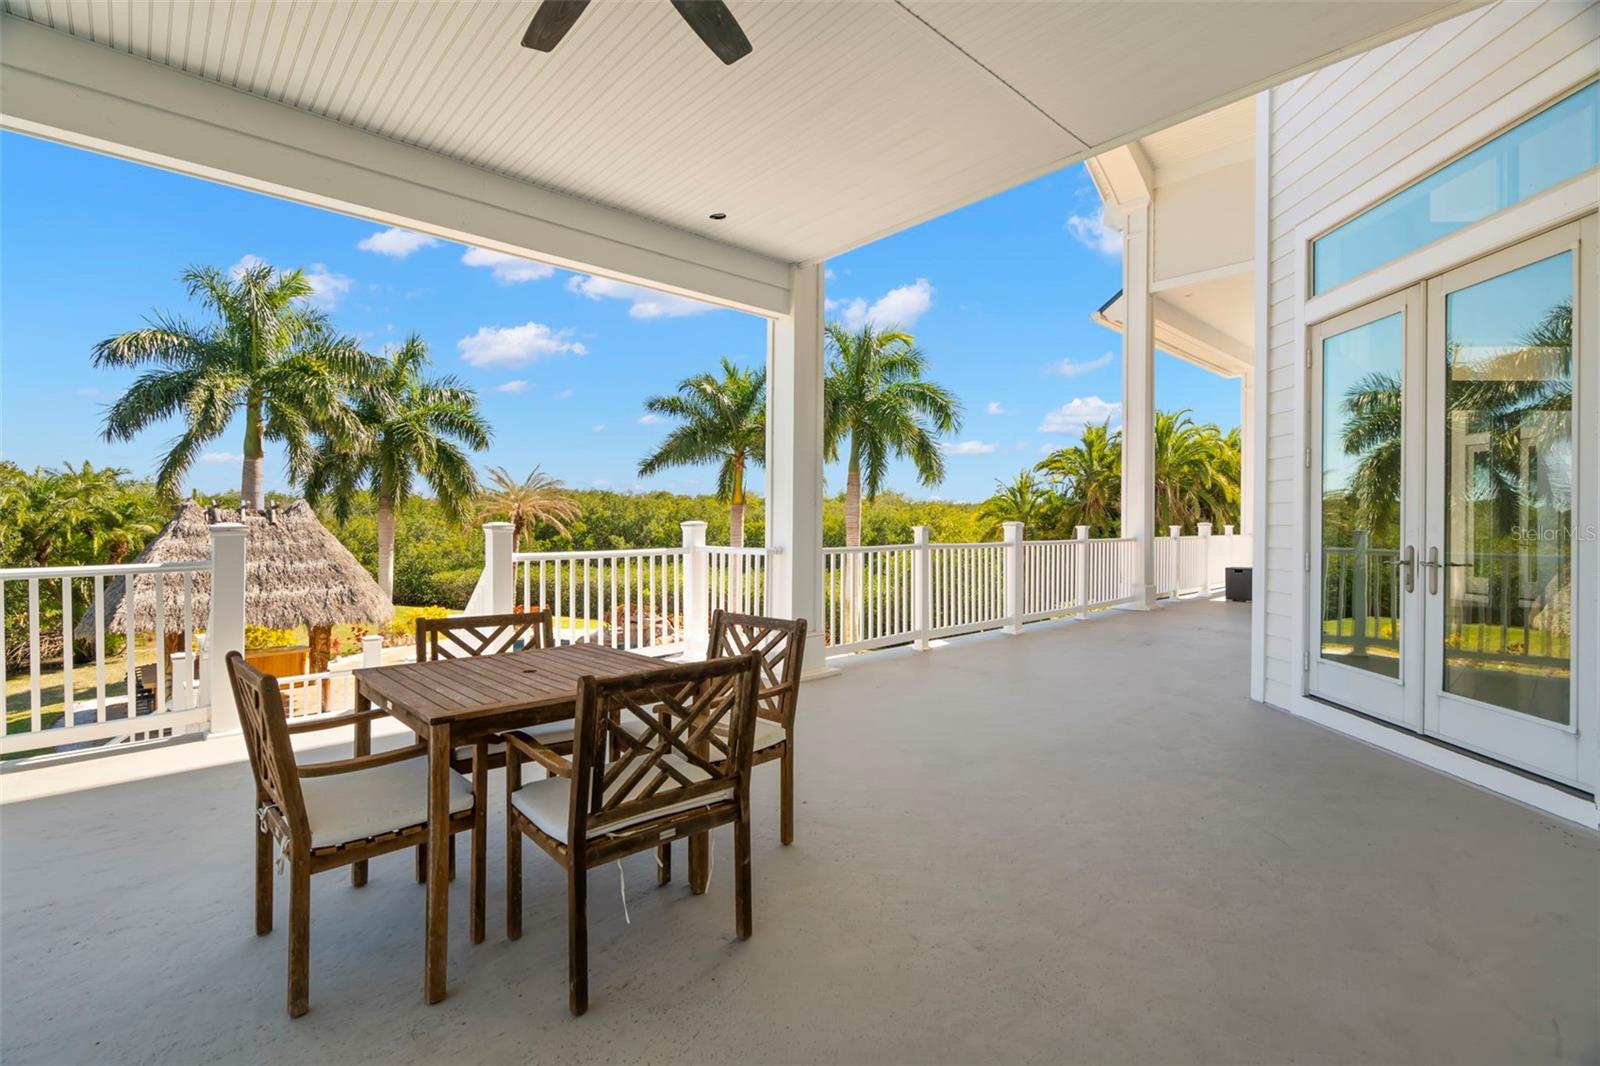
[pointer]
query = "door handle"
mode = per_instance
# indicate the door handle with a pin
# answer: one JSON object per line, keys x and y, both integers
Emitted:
{"x": 1434, "y": 566}
{"x": 1408, "y": 562}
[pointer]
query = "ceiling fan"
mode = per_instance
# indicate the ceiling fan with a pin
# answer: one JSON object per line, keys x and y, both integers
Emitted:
{"x": 710, "y": 19}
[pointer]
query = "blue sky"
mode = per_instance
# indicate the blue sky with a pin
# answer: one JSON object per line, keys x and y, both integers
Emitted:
{"x": 998, "y": 295}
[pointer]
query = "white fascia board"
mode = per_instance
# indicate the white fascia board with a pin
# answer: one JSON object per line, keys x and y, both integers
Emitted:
{"x": 55, "y": 86}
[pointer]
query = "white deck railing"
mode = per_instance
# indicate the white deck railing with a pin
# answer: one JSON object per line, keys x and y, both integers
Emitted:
{"x": 626, "y": 599}
{"x": 122, "y": 705}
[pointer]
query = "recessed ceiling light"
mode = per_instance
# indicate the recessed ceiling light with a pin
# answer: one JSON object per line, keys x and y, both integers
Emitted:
{"x": 718, "y": 216}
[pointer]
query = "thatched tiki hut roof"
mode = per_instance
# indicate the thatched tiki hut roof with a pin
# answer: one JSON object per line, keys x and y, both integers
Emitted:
{"x": 296, "y": 573}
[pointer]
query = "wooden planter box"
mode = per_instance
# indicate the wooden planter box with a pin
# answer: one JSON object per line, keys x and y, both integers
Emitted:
{"x": 280, "y": 662}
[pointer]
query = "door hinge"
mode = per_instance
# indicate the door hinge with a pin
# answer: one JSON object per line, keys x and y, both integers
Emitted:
{"x": 1308, "y": 458}
{"x": 1308, "y": 562}
{"x": 1308, "y": 357}
{"x": 1305, "y": 660}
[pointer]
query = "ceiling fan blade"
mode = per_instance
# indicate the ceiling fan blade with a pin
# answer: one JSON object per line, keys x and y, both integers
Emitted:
{"x": 716, "y": 26}
{"x": 551, "y": 23}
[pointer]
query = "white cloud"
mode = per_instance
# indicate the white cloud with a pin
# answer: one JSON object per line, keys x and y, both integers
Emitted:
{"x": 600, "y": 428}
{"x": 91, "y": 392}
{"x": 968, "y": 447}
{"x": 643, "y": 303}
{"x": 327, "y": 288}
{"x": 507, "y": 269}
{"x": 899, "y": 308}
{"x": 564, "y": 394}
{"x": 221, "y": 457}
{"x": 994, "y": 408}
{"x": 1079, "y": 412}
{"x": 1071, "y": 368}
{"x": 517, "y": 345}
{"x": 650, "y": 420}
{"x": 1095, "y": 234}
{"x": 396, "y": 243}
{"x": 517, "y": 385}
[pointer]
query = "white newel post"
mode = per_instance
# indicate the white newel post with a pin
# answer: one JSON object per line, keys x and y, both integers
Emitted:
{"x": 921, "y": 587}
{"x": 499, "y": 571}
{"x": 225, "y": 629}
{"x": 1015, "y": 561}
{"x": 372, "y": 650}
{"x": 1206, "y": 582}
{"x": 182, "y": 681}
{"x": 1080, "y": 574}
{"x": 1138, "y": 394}
{"x": 1175, "y": 533}
{"x": 795, "y": 360}
{"x": 696, "y": 590}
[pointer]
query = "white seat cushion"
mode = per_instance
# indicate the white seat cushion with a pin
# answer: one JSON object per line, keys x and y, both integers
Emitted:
{"x": 545, "y": 803}
{"x": 549, "y": 733}
{"x": 768, "y": 732}
{"x": 365, "y": 803}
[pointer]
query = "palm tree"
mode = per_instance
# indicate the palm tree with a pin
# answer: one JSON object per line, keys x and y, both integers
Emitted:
{"x": 415, "y": 426}
{"x": 536, "y": 498}
{"x": 1191, "y": 465}
{"x": 267, "y": 354}
{"x": 722, "y": 420}
{"x": 1088, "y": 476}
{"x": 877, "y": 399}
{"x": 1022, "y": 499}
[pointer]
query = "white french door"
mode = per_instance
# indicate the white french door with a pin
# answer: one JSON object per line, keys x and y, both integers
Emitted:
{"x": 1456, "y": 470}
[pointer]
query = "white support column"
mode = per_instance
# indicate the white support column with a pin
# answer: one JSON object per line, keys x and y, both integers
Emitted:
{"x": 921, "y": 588}
{"x": 499, "y": 572}
{"x": 225, "y": 629}
{"x": 696, "y": 591}
{"x": 794, "y": 461}
{"x": 1015, "y": 561}
{"x": 1138, "y": 401}
{"x": 1247, "y": 451}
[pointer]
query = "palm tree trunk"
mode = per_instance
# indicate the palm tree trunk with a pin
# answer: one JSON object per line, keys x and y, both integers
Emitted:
{"x": 386, "y": 546}
{"x": 252, "y": 489}
{"x": 736, "y": 525}
{"x": 852, "y": 507}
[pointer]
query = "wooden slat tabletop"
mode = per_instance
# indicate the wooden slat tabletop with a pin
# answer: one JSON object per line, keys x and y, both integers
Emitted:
{"x": 450, "y": 690}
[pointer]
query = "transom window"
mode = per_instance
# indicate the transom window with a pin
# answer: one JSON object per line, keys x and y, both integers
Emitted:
{"x": 1558, "y": 143}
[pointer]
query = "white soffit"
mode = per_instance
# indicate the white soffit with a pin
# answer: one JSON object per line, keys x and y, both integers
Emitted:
{"x": 850, "y": 120}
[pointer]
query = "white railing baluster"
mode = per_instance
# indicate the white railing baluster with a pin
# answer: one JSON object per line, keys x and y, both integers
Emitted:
{"x": 99, "y": 649}
{"x": 69, "y": 689}
{"x": 33, "y": 651}
{"x": 161, "y": 646}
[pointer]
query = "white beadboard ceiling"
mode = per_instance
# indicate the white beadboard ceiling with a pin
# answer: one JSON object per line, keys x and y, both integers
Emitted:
{"x": 850, "y": 120}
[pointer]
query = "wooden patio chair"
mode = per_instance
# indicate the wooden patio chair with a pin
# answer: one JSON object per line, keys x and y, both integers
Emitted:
{"x": 628, "y": 791}
{"x": 468, "y": 636}
{"x": 331, "y": 814}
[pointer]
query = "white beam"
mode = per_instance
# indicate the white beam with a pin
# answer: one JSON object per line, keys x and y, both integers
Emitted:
{"x": 90, "y": 96}
{"x": 1138, "y": 402}
{"x": 794, "y": 461}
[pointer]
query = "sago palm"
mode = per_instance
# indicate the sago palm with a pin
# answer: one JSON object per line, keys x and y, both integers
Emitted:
{"x": 1023, "y": 499}
{"x": 1088, "y": 476}
{"x": 525, "y": 503}
{"x": 414, "y": 427}
{"x": 721, "y": 420}
{"x": 266, "y": 354}
{"x": 878, "y": 406}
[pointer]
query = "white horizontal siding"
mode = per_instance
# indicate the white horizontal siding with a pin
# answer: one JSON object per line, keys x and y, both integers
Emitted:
{"x": 1330, "y": 133}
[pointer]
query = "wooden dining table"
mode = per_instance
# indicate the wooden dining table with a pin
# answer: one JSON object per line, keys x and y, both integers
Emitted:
{"x": 455, "y": 703}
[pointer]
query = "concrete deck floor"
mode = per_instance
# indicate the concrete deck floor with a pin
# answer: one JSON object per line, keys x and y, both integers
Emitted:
{"x": 1084, "y": 844}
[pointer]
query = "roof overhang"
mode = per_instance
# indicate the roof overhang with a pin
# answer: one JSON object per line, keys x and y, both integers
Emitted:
{"x": 849, "y": 122}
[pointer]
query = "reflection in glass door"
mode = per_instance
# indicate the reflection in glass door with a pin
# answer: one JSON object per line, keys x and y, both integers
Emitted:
{"x": 1505, "y": 488}
{"x": 1364, "y": 526}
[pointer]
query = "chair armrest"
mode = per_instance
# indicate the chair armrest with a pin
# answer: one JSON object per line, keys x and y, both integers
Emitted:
{"x": 545, "y": 757}
{"x": 362, "y": 762}
{"x": 308, "y": 725}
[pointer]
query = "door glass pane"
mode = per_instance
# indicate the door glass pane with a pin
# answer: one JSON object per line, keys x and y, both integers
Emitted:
{"x": 1507, "y": 577}
{"x": 1361, "y": 475}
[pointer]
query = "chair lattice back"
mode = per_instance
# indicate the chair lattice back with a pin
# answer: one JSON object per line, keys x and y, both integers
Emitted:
{"x": 779, "y": 643}
{"x": 470, "y": 635}
{"x": 693, "y": 732}
{"x": 266, "y": 740}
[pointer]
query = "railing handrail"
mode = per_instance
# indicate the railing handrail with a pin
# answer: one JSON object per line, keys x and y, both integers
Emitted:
{"x": 24, "y": 573}
{"x": 598, "y": 553}
{"x": 748, "y": 552}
